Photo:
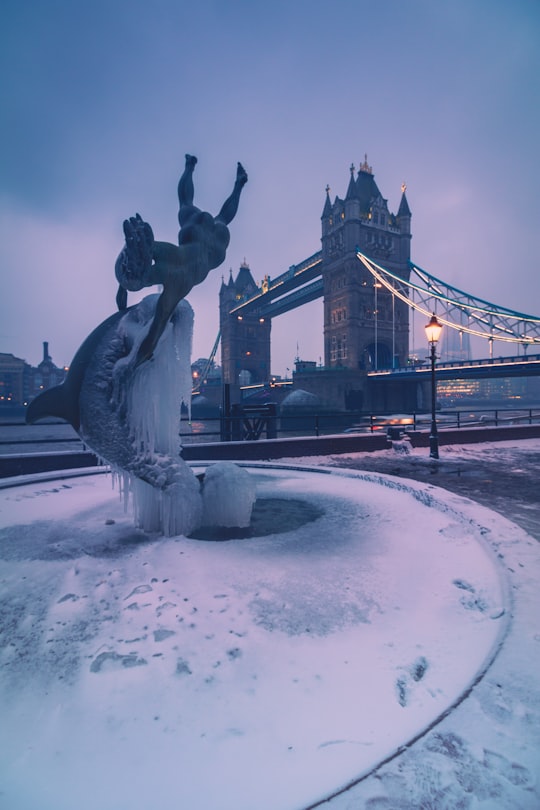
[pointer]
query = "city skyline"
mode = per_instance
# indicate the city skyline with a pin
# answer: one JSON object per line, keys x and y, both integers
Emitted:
{"x": 101, "y": 103}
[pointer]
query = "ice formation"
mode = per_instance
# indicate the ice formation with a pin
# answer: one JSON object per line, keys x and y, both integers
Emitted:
{"x": 228, "y": 496}
{"x": 130, "y": 415}
{"x": 166, "y": 494}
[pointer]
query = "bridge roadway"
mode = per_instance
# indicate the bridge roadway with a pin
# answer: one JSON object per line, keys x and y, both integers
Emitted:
{"x": 492, "y": 367}
{"x": 287, "y": 291}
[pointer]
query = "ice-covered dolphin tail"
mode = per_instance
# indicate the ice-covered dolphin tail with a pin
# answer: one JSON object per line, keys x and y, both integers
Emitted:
{"x": 55, "y": 402}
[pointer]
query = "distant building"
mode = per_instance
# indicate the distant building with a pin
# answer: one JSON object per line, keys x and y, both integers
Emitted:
{"x": 20, "y": 382}
{"x": 46, "y": 375}
{"x": 14, "y": 376}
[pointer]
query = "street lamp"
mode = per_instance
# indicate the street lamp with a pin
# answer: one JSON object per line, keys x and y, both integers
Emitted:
{"x": 433, "y": 333}
{"x": 376, "y": 286}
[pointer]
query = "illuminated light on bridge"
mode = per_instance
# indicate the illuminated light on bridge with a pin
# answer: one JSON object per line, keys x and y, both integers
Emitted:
{"x": 427, "y": 294}
{"x": 523, "y": 366}
{"x": 422, "y": 292}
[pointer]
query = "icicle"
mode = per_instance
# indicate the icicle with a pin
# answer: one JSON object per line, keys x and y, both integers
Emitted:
{"x": 166, "y": 494}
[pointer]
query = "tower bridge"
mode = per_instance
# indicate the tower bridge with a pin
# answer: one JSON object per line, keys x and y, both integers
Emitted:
{"x": 370, "y": 287}
{"x": 288, "y": 291}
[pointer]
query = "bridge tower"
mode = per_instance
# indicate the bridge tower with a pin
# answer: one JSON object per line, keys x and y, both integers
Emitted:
{"x": 245, "y": 339}
{"x": 365, "y": 327}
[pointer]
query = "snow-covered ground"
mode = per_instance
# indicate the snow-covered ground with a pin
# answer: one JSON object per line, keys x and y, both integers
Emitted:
{"x": 367, "y": 620}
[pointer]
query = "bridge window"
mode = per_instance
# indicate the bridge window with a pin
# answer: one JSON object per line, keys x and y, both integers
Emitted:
{"x": 376, "y": 218}
{"x": 339, "y": 315}
{"x": 333, "y": 349}
{"x": 383, "y": 220}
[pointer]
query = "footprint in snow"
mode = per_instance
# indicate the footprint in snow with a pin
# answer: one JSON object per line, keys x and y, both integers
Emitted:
{"x": 414, "y": 673}
{"x": 139, "y": 589}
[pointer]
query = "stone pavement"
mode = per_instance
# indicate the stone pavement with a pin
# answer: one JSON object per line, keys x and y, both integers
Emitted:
{"x": 503, "y": 476}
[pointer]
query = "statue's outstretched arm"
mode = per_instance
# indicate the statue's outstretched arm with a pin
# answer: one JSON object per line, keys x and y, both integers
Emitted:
{"x": 165, "y": 307}
{"x": 230, "y": 206}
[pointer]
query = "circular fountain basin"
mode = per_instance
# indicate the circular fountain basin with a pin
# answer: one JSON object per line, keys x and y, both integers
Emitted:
{"x": 268, "y": 671}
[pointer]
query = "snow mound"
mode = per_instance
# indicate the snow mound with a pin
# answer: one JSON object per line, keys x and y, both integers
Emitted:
{"x": 228, "y": 496}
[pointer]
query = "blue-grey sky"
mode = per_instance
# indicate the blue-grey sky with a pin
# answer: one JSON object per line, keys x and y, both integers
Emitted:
{"x": 101, "y": 99}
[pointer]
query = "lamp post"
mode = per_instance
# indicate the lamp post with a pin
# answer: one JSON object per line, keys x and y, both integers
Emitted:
{"x": 433, "y": 333}
{"x": 376, "y": 286}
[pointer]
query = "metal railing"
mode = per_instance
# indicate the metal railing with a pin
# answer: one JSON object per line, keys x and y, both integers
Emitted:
{"x": 327, "y": 423}
{"x": 19, "y": 438}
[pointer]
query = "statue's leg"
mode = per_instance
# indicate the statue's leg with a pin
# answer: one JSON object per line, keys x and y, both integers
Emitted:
{"x": 165, "y": 307}
{"x": 230, "y": 206}
{"x": 186, "y": 190}
{"x": 171, "y": 269}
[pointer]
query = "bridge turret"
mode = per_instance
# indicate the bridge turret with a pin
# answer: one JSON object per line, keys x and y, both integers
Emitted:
{"x": 363, "y": 327}
{"x": 404, "y": 212}
{"x": 352, "y": 203}
{"x": 245, "y": 338}
{"x": 403, "y": 221}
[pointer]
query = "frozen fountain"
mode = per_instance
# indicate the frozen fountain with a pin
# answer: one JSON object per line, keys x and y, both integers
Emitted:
{"x": 129, "y": 379}
{"x": 346, "y": 615}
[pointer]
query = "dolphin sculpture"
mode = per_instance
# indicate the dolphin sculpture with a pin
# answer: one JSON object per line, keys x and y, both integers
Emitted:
{"x": 129, "y": 415}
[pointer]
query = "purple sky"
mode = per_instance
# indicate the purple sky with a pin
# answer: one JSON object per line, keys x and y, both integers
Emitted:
{"x": 102, "y": 99}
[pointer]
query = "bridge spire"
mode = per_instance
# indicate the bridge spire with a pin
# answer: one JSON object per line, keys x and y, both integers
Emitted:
{"x": 365, "y": 167}
{"x": 327, "y": 210}
{"x": 351, "y": 191}
{"x": 404, "y": 210}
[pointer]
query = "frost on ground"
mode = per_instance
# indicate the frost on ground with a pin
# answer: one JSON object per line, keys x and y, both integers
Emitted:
{"x": 140, "y": 671}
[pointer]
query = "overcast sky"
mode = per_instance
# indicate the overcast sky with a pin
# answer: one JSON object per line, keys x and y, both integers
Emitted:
{"x": 101, "y": 99}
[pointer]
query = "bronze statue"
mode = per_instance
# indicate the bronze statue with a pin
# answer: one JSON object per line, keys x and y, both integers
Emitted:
{"x": 202, "y": 243}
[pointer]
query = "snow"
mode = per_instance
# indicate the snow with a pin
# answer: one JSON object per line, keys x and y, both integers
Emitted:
{"x": 272, "y": 670}
{"x": 228, "y": 495}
